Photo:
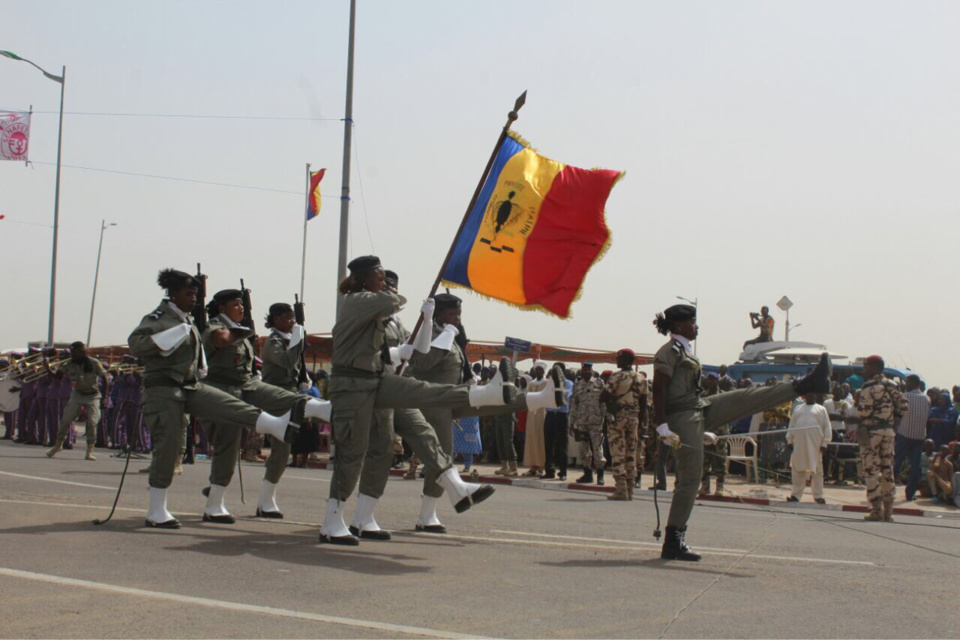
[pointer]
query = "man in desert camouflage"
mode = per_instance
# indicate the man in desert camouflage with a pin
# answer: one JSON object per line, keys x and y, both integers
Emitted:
{"x": 880, "y": 408}
{"x": 626, "y": 393}
{"x": 586, "y": 419}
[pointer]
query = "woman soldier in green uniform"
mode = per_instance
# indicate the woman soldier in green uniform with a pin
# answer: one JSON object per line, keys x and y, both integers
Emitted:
{"x": 686, "y": 418}
{"x": 281, "y": 353}
{"x": 169, "y": 344}
{"x": 229, "y": 352}
{"x": 358, "y": 387}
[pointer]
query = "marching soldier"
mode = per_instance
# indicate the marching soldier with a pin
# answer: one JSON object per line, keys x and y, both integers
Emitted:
{"x": 358, "y": 387}
{"x": 230, "y": 357}
{"x": 625, "y": 393}
{"x": 586, "y": 417}
{"x": 880, "y": 408}
{"x": 84, "y": 373}
{"x": 169, "y": 344}
{"x": 281, "y": 354}
{"x": 686, "y": 419}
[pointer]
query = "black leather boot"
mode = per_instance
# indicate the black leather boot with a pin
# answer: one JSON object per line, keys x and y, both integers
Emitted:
{"x": 818, "y": 380}
{"x": 586, "y": 478}
{"x": 674, "y": 547}
{"x": 600, "y": 476}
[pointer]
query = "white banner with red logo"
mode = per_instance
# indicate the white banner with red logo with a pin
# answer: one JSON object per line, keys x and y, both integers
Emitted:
{"x": 14, "y": 135}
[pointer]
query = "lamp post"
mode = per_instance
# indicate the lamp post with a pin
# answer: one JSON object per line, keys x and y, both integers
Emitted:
{"x": 61, "y": 79}
{"x": 696, "y": 306}
{"x": 96, "y": 276}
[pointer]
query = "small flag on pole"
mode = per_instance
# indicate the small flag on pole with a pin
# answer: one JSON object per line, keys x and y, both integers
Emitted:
{"x": 313, "y": 198}
{"x": 536, "y": 229}
{"x": 14, "y": 135}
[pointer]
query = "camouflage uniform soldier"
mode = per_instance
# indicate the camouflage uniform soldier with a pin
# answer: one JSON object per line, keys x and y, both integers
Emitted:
{"x": 586, "y": 419}
{"x": 881, "y": 405}
{"x": 626, "y": 393}
{"x": 715, "y": 455}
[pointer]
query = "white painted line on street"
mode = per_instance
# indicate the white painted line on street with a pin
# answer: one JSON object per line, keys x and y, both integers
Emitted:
{"x": 633, "y": 549}
{"x": 71, "y": 506}
{"x": 287, "y": 475}
{"x": 233, "y": 606}
{"x": 75, "y": 484}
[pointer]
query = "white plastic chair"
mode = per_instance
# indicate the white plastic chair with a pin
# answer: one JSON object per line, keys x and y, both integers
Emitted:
{"x": 738, "y": 453}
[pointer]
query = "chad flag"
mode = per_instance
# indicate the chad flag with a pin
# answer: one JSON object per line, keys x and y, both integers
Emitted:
{"x": 536, "y": 229}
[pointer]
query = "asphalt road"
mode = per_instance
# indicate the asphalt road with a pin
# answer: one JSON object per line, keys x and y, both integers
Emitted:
{"x": 527, "y": 563}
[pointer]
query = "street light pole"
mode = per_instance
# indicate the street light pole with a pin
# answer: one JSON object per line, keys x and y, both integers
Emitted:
{"x": 56, "y": 217}
{"x": 345, "y": 171}
{"x": 96, "y": 277}
{"x": 695, "y": 303}
{"x": 56, "y": 198}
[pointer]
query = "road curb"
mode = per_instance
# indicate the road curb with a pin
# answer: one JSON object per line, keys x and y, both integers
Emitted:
{"x": 537, "y": 483}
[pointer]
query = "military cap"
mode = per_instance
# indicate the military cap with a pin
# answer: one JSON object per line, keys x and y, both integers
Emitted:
{"x": 363, "y": 263}
{"x": 680, "y": 312}
{"x": 446, "y": 301}
{"x": 279, "y": 308}
{"x": 606, "y": 372}
{"x": 171, "y": 280}
{"x": 392, "y": 277}
{"x": 626, "y": 352}
{"x": 586, "y": 365}
{"x": 714, "y": 375}
{"x": 874, "y": 360}
{"x": 226, "y": 295}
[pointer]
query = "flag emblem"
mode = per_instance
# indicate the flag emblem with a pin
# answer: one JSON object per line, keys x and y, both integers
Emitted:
{"x": 313, "y": 197}
{"x": 14, "y": 135}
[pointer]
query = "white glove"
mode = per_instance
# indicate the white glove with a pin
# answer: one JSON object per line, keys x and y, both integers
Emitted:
{"x": 445, "y": 339}
{"x": 667, "y": 436}
{"x": 405, "y": 351}
{"x": 394, "y": 359}
{"x": 296, "y": 336}
{"x": 201, "y": 373}
{"x": 422, "y": 342}
{"x": 304, "y": 386}
{"x": 168, "y": 341}
{"x": 709, "y": 439}
{"x": 427, "y": 307}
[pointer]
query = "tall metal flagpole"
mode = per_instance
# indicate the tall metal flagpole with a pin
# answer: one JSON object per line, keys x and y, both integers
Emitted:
{"x": 347, "y": 138}
{"x": 56, "y": 215}
{"x": 96, "y": 277}
{"x": 303, "y": 261}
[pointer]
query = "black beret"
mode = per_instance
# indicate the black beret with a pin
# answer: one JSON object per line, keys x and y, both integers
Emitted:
{"x": 227, "y": 295}
{"x": 680, "y": 312}
{"x": 279, "y": 308}
{"x": 392, "y": 277}
{"x": 586, "y": 365}
{"x": 363, "y": 263}
{"x": 446, "y": 301}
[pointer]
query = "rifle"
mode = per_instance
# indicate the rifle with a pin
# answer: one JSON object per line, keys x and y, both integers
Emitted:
{"x": 301, "y": 319}
{"x": 200, "y": 310}
{"x": 248, "y": 311}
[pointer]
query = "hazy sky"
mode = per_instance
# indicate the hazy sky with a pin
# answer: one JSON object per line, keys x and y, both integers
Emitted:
{"x": 807, "y": 149}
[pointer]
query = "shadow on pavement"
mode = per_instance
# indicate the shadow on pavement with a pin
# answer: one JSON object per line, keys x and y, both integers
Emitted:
{"x": 653, "y": 563}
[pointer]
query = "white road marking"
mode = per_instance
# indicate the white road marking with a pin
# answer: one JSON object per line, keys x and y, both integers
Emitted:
{"x": 72, "y": 506}
{"x": 287, "y": 475}
{"x": 633, "y": 549}
{"x": 75, "y": 484}
{"x": 233, "y": 606}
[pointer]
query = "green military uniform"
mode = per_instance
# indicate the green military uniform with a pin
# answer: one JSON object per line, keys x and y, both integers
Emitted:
{"x": 230, "y": 370}
{"x": 85, "y": 394}
{"x": 281, "y": 368}
{"x": 880, "y": 406}
{"x": 358, "y": 386}
{"x": 689, "y": 414}
{"x": 171, "y": 390}
{"x": 586, "y": 417}
{"x": 442, "y": 366}
{"x": 410, "y": 424}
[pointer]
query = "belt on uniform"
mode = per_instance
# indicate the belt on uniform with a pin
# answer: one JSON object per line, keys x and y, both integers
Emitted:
{"x": 878, "y": 427}
{"x": 150, "y": 383}
{"x": 353, "y": 372}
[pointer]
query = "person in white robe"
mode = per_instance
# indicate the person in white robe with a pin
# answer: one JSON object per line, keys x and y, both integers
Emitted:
{"x": 808, "y": 435}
